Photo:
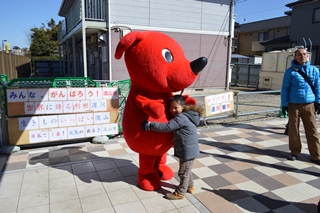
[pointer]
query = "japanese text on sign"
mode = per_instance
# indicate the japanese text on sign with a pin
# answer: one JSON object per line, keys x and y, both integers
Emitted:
{"x": 60, "y": 94}
{"x": 62, "y": 100}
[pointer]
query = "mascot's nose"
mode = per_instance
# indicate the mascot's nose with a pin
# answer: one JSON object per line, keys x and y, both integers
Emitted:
{"x": 198, "y": 64}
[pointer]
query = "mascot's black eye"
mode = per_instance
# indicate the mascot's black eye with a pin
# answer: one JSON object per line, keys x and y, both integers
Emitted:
{"x": 167, "y": 55}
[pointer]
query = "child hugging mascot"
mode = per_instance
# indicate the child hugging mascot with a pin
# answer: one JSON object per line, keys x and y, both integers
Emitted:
{"x": 157, "y": 67}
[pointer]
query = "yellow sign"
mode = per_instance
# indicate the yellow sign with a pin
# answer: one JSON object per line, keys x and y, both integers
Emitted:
{"x": 7, "y": 47}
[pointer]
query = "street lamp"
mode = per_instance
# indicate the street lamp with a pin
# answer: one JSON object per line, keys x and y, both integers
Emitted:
{"x": 3, "y": 44}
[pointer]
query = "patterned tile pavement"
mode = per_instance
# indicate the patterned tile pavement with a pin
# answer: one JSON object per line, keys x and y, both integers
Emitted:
{"x": 242, "y": 168}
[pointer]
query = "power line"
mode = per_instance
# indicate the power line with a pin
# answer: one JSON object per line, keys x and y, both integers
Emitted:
{"x": 259, "y": 11}
{"x": 239, "y": 1}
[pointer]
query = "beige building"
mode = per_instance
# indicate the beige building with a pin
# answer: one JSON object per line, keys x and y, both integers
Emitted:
{"x": 272, "y": 33}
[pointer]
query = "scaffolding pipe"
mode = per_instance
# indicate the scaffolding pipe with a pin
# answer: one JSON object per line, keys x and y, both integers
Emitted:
{"x": 256, "y": 112}
{"x": 215, "y": 117}
{"x": 84, "y": 39}
{"x": 237, "y": 100}
{"x": 236, "y": 114}
{"x": 109, "y": 43}
{"x": 260, "y": 92}
{"x": 229, "y": 51}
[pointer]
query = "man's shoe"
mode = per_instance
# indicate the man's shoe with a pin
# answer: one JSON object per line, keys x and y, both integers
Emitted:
{"x": 292, "y": 157}
{"x": 174, "y": 196}
{"x": 190, "y": 189}
{"x": 316, "y": 161}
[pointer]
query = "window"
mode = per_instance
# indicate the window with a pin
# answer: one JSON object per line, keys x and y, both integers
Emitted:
{"x": 316, "y": 15}
{"x": 263, "y": 36}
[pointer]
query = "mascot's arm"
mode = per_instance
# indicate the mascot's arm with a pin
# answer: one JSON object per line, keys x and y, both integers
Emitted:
{"x": 154, "y": 108}
{"x": 189, "y": 100}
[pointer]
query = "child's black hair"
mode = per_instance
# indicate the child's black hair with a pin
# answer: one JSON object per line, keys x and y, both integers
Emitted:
{"x": 179, "y": 99}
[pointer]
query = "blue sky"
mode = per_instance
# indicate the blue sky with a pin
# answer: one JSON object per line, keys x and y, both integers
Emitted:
{"x": 19, "y": 16}
{"x": 255, "y": 10}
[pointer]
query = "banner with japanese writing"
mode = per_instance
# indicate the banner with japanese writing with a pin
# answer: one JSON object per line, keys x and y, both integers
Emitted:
{"x": 30, "y": 101}
{"x": 219, "y": 103}
{"x": 39, "y": 115}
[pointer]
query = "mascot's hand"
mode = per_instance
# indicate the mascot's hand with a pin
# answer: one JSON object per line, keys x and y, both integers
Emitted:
{"x": 145, "y": 125}
{"x": 157, "y": 108}
{"x": 189, "y": 100}
{"x": 153, "y": 108}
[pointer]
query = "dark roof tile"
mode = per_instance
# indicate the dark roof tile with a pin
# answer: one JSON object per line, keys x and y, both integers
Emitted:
{"x": 267, "y": 24}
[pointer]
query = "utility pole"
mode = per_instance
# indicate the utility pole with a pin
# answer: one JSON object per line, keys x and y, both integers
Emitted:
{"x": 231, "y": 29}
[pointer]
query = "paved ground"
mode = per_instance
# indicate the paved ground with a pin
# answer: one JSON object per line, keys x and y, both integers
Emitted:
{"x": 242, "y": 168}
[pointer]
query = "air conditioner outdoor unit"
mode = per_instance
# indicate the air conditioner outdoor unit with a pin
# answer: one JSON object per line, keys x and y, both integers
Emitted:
{"x": 266, "y": 82}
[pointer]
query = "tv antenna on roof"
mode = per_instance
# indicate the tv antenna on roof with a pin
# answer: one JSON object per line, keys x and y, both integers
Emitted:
{"x": 239, "y": 1}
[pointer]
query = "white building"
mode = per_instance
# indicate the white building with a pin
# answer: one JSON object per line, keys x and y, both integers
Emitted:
{"x": 92, "y": 29}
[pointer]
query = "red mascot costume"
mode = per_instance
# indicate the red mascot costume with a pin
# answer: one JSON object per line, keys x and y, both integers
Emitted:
{"x": 157, "y": 67}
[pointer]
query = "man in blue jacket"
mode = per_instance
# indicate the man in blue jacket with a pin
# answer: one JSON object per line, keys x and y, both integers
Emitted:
{"x": 299, "y": 101}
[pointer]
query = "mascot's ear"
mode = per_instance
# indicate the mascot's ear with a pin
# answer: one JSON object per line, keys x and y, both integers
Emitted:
{"x": 127, "y": 41}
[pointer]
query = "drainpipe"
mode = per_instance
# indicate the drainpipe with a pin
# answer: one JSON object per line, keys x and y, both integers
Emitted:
{"x": 68, "y": 56}
{"x": 74, "y": 57}
{"x": 60, "y": 61}
{"x": 231, "y": 21}
{"x": 109, "y": 42}
{"x": 84, "y": 39}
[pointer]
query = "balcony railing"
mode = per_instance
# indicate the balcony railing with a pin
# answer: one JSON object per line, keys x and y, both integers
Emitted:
{"x": 95, "y": 10}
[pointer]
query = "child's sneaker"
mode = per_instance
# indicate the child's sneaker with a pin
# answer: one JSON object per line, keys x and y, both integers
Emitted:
{"x": 190, "y": 189}
{"x": 174, "y": 196}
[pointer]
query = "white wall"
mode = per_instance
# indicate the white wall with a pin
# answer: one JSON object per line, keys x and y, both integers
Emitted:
{"x": 176, "y": 14}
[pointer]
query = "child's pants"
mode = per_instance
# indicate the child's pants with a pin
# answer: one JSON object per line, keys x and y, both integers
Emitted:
{"x": 185, "y": 174}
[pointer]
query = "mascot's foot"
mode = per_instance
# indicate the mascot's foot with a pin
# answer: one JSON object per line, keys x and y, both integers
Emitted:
{"x": 149, "y": 182}
{"x": 165, "y": 172}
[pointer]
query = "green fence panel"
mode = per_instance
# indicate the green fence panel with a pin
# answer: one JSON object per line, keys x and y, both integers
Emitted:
{"x": 52, "y": 82}
{"x": 123, "y": 91}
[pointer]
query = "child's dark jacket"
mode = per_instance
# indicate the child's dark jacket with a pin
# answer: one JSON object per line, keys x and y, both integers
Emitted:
{"x": 185, "y": 136}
